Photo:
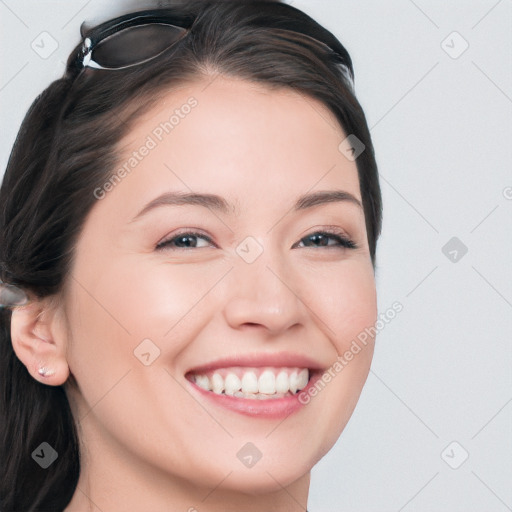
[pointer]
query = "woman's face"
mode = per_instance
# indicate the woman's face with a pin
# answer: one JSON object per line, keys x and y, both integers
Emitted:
{"x": 227, "y": 274}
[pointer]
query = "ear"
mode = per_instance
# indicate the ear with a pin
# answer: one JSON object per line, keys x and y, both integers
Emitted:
{"x": 39, "y": 339}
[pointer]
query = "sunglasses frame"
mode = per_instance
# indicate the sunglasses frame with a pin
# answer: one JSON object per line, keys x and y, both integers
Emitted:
{"x": 101, "y": 33}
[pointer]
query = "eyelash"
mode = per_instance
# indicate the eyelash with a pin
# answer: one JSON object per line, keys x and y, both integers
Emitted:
{"x": 335, "y": 234}
{"x": 343, "y": 241}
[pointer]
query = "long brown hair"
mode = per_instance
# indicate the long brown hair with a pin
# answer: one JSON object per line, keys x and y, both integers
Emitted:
{"x": 67, "y": 147}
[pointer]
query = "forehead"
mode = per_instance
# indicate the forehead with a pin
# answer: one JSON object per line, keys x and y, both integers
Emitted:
{"x": 238, "y": 139}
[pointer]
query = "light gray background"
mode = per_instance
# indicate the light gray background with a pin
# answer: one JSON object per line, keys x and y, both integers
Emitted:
{"x": 442, "y": 129}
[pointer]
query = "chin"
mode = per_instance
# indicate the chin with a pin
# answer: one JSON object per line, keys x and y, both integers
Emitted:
{"x": 262, "y": 482}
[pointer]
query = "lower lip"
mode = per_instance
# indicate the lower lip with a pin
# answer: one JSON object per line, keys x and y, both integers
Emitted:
{"x": 271, "y": 408}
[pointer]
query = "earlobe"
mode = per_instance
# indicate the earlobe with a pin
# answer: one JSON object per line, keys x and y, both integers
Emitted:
{"x": 39, "y": 343}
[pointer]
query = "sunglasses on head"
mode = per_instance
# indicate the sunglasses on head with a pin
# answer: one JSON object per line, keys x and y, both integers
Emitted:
{"x": 139, "y": 37}
{"x": 131, "y": 39}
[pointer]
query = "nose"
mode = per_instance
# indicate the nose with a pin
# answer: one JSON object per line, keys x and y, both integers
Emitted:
{"x": 263, "y": 296}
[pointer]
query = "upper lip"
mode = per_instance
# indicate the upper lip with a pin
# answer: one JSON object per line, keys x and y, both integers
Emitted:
{"x": 277, "y": 360}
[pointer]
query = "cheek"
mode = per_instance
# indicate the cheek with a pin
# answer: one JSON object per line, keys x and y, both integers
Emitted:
{"x": 348, "y": 306}
{"x": 345, "y": 300}
{"x": 152, "y": 298}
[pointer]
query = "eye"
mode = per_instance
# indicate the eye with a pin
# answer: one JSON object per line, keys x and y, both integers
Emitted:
{"x": 185, "y": 240}
{"x": 323, "y": 239}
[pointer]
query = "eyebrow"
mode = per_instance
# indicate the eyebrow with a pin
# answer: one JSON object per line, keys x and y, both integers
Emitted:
{"x": 218, "y": 203}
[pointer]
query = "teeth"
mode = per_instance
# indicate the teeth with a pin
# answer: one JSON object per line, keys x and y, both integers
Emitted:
{"x": 303, "y": 379}
{"x": 282, "y": 382}
{"x": 267, "y": 383}
{"x": 203, "y": 382}
{"x": 249, "y": 382}
{"x": 245, "y": 383}
{"x": 231, "y": 384}
{"x": 217, "y": 383}
{"x": 294, "y": 382}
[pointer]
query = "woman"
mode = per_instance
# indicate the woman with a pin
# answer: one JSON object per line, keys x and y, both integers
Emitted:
{"x": 188, "y": 230}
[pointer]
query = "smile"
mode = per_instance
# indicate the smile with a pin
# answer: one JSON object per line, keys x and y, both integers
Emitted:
{"x": 255, "y": 383}
{"x": 264, "y": 386}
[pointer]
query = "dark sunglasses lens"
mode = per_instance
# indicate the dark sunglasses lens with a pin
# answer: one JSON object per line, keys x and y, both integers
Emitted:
{"x": 136, "y": 44}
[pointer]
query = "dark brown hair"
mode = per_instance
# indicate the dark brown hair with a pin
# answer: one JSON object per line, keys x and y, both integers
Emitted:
{"x": 67, "y": 147}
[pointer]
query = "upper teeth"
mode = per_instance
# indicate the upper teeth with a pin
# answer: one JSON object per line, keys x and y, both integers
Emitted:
{"x": 254, "y": 380}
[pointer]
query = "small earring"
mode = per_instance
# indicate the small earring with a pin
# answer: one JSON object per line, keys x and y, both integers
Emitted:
{"x": 45, "y": 371}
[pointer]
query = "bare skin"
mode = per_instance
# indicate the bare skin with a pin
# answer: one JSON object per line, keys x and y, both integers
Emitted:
{"x": 150, "y": 441}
